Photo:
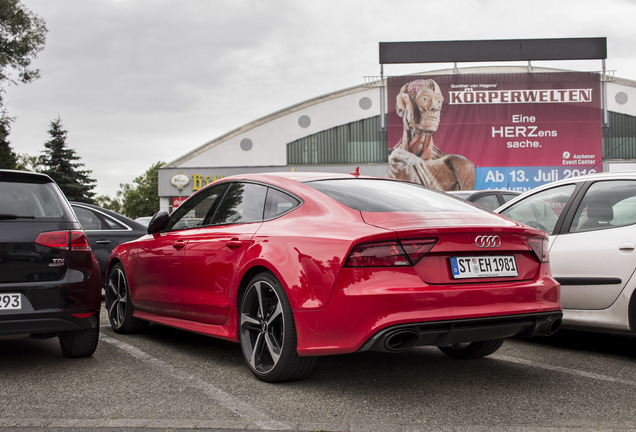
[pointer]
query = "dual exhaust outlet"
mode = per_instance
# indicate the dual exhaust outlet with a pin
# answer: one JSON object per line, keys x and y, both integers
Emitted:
{"x": 405, "y": 338}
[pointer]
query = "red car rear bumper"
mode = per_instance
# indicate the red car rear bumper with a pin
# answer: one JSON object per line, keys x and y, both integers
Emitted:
{"x": 366, "y": 309}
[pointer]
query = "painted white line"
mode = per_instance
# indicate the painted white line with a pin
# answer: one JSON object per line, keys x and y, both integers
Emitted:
{"x": 237, "y": 406}
{"x": 564, "y": 370}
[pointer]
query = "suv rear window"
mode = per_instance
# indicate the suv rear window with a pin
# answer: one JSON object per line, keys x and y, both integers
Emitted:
{"x": 30, "y": 200}
{"x": 377, "y": 195}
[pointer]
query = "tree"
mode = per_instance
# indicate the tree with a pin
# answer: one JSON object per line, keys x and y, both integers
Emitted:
{"x": 59, "y": 163}
{"x": 109, "y": 203}
{"x": 8, "y": 158}
{"x": 142, "y": 198}
{"x": 22, "y": 37}
{"x": 27, "y": 162}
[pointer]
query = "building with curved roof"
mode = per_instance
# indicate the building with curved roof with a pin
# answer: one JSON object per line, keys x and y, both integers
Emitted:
{"x": 340, "y": 131}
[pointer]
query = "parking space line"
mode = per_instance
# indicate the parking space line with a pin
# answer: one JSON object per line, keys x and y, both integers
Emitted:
{"x": 564, "y": 370}
{"x": 237, "y": 406}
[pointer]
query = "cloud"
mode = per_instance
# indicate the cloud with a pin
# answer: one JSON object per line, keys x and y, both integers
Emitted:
{"x": 138, "y": 81}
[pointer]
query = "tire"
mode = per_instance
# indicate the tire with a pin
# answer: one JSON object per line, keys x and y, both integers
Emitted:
{"x": 268, "y": 332}
{"x": 80, "y": 343}
{"x": 472, "y": 350}
{"x": 118, "y": 305}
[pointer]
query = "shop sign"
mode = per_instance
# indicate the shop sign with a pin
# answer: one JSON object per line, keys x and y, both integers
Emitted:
{"x": 199, "y": 180}
{"x": 177, "y": 201}
{"x": 180, "y": 181}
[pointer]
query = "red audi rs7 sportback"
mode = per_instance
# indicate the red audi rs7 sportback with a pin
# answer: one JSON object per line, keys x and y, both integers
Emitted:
{"x": 298, "y": 265}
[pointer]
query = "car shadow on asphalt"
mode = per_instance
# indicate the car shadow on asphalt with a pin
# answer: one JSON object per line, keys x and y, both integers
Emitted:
{"x": 623, "y": 345}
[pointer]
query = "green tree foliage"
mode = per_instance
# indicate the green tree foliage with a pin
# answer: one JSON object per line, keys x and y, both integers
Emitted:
{"x": 22, "y": 37}
{"x": 142, "y": 197}
{"x": 27, "y": 162}
{"x": 110, "y": 203}
{"x": 8, "y": 159}
{"x": 60, "y": 163}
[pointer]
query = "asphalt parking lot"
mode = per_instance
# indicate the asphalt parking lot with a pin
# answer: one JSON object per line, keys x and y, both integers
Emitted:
{"x": 166, "y": 379}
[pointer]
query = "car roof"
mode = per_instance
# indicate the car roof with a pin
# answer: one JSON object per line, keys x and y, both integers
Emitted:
{"x": 469, "y": 192}
{"x": 302, "y": 176}
{"x": 133, "y": 223}
{"x": 25, "y": 175}
{"x": 616, "y": 175}
{"x": 292, "y": 178}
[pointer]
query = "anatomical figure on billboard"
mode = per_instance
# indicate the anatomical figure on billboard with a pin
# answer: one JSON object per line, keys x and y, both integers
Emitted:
{"x": 498, "y": 131}
{"x": 415, "y": 157}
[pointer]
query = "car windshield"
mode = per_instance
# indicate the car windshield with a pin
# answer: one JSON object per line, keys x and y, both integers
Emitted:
{"x": 377, "y": 195}
{"x": 541, "y": 210}
{"x": 30, "y": 200}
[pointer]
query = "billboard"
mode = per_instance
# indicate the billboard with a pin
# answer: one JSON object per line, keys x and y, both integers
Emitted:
{"x": 494, "y": 131}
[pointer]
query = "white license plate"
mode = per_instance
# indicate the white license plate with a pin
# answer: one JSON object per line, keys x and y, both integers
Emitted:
{"x": 483, "y": 266}
{"x": 10, "y": 301}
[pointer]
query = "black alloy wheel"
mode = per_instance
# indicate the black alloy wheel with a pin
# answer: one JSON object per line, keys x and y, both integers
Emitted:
{"x": 118, "y": 305}
{"x": 268, "y": 334}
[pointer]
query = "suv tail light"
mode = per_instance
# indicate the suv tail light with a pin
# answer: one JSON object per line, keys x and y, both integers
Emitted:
{"x": 67, "y": 240}
{"x": 539, "y": 246}
{"x": 390, "y": 253}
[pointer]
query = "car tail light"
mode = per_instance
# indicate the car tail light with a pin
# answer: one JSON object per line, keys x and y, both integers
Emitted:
{"x": 73, "y": 240}
{"x": 539, "y": 246}
{"x": 83, "y": 315}
{"x": 390, "y": 253}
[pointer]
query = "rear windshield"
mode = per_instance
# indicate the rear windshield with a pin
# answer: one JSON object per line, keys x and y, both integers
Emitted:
{"x": 31, "y": 200}
{"x": 377, "y": 195}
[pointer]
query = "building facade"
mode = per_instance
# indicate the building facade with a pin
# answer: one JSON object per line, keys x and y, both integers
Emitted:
{"x": 346, "y": 129}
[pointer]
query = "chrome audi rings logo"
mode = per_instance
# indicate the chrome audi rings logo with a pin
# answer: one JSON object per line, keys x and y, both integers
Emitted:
{"x": 487, "y": 241}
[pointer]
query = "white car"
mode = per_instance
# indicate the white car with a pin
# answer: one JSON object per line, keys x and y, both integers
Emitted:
{"x": 591, "y": 221}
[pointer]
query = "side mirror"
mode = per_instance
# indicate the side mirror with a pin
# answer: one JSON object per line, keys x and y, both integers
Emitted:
{"x": 158, "y": 222}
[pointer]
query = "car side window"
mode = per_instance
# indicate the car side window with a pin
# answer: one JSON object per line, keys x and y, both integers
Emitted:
{"x": 93, "y": 221}
{"x": 87, "y": 219}
{"x": 243, "y": 203}
{"x": 488, "y": 201}
{"x": 111, "y": 224}
{"x": 541, "y": 210}
{"x": 195, "y": 211}
{"x": 278, "y": 203}
{"x": 606, "y": 204}
{"x": 508, "y": 196}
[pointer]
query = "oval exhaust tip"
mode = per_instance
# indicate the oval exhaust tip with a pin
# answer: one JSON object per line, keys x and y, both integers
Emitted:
{"x": 402, "y": 340}
{"x": 554, "y": 326}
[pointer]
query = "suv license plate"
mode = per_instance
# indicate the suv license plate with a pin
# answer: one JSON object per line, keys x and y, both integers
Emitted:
{"x": 10, "y": 301}
{"x": 483, "y": 266}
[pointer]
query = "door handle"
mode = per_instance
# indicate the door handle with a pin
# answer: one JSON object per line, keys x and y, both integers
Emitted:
{"x": 103, "y": 242}
{"x": 179, "y": 244}
{"x": 626, "y": 246}
{"x": 234, "y": 243}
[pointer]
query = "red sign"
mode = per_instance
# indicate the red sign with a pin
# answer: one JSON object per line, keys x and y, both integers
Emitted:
{"x": 489, "y": 131}
{"x": 177, "y": 201}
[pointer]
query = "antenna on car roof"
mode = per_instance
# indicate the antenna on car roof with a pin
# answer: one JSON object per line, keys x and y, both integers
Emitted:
{"x": 355, "y": 172}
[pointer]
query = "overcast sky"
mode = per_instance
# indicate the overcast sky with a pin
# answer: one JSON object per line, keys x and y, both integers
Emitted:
{"x": 140, "y": 81}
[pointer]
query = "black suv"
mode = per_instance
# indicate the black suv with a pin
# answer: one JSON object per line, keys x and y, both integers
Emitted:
{"x": 50, "y": 283}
